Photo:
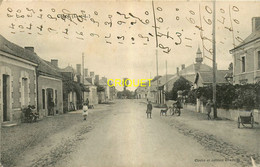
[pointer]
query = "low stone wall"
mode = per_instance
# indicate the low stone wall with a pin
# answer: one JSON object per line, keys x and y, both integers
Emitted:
{"x": 229, "y": 114}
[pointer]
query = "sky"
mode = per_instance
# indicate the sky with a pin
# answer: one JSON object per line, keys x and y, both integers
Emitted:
{"x": 118, "y": 38}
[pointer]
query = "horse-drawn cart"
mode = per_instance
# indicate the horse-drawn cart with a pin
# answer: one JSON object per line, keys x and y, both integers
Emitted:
{"x": 245, "y": 119}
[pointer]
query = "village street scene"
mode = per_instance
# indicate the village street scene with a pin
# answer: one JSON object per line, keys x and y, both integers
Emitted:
{"x": 130, "y": 84}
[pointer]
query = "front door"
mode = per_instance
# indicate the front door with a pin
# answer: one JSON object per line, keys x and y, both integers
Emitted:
{"x": 5, "y": 98}
{"x": 50, "y": 102}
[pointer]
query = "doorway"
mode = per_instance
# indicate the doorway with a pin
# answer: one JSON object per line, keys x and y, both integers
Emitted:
{"x": 50, "y": 101}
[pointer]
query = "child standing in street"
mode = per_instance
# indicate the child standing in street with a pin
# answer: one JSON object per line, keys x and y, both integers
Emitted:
{"x": 208, "y": 108}
{"x": 85, "y": 111}
{"x": 149, "y": 110}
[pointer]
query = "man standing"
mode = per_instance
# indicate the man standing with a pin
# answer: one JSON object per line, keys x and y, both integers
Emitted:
{"x": 208, "y": 108}
{"x": 149, "y": 110}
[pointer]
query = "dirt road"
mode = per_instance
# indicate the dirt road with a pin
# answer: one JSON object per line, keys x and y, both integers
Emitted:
{"x": 120, "y": 135}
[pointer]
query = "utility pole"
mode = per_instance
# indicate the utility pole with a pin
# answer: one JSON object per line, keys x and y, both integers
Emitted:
{"x": 214, "y": 60}
{"x": 166, "y": 77}
{"x": 158, "y": 96}
{"x": 83, "y": 74}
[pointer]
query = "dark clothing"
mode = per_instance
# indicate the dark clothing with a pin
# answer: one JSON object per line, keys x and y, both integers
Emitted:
{"x": 149, "y": 107}
{"x": 149, "y": 110}
{"x": 178, "y": 104}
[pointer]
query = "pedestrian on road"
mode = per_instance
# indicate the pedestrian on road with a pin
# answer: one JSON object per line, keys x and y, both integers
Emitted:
{"x": 208, "y": 108}
{"x": 85, "y": 111}
{"x": 87, "y": 101}
{"x": 149, "y": 110}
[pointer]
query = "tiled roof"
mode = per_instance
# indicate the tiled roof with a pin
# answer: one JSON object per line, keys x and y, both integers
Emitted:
{"x": 13, "y": 49}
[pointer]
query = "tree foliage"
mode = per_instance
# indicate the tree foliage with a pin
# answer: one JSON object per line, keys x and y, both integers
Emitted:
{"x": 181, "y": 84}
{"x": 229, "y": 96}
{"x": 126, "y": 94}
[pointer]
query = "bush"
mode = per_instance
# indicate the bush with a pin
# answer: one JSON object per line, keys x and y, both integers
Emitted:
{"x": 229, "y": 96}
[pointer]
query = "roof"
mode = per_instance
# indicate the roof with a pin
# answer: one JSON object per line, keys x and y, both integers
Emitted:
{"x": 102, "y": 82}
{"x": 86, "y": 82}
{"x": 207, "y": 77}
{"x": 164, "y": 79}
{"x": 252, "y": 37}
{"x": 191, "y": 68}
{"x": 68, "y": 69}
{"x": 44, "y": 67}
{"x": 13, "y": 49}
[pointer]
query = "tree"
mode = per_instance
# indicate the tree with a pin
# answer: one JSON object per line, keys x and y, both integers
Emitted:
{"x": 181, "y": 84}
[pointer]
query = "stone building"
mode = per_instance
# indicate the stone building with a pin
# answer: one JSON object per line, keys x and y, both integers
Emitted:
{"x": 18, "y": 87}
{"x": 246, "y": 57}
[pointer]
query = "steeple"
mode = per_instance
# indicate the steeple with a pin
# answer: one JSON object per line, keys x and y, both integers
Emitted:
{"x": 199, "y": 58}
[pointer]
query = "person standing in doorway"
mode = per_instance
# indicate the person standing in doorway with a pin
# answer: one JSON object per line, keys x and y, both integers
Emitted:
{"x": 149, "y": 110}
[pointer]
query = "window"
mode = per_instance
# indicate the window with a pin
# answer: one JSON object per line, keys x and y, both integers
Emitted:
{"x": 25, "y": 92}
{"x": 43, "y": 99}
{"x": 258, "y": 56}
{"x": 243, "y": 64}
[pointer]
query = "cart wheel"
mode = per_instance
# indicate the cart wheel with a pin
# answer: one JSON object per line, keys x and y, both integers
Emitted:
{"x": 238, "y": 122}
{"x": 252, "y": 122}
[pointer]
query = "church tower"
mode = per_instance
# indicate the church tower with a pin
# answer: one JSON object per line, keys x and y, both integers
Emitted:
{"x": 199, "y": 58}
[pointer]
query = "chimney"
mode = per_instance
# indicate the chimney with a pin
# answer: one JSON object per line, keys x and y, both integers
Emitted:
{"x": 92, "y": 74}
{"x": 78, "y": 69}
{"x": 54, "y": 62}
{"x": 104, "y": 79}
{"x": 86, "y": 72}
{"x": 29, "y": 48}
{"x": 182, "y": 66}
{"x": 96, "y": 79}
{"x": 255, "y": 23}
{"x": 177, "y": 71}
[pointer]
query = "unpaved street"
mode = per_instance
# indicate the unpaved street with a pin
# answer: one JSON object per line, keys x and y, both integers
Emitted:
{"x": 127, "y": 138}
{"x": 120, "y": 135}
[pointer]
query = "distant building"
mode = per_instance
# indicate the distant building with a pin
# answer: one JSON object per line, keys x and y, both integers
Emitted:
{"x": 18, "y": 87}
{"x": 246, "y": 57}
{"x": 198, "y": 74}
{"x": 89, "y": 83}
{"x": 70, "y": 96}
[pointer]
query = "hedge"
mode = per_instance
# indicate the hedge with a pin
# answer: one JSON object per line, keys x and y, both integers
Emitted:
{"x": 229, "y": 96}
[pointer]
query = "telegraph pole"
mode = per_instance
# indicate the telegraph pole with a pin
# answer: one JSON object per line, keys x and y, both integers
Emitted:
{"x": 166, "y": 76}
{"x": 214, "y": 60}
{"x": 83, "y": 74}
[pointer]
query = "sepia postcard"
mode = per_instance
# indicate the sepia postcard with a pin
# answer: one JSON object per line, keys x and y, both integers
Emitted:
{"x": 136, "y": 83}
